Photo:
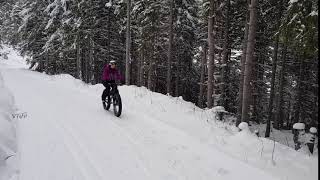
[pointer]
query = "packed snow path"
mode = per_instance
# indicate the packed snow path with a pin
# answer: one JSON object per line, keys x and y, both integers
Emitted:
{"x": 68, "y": 135}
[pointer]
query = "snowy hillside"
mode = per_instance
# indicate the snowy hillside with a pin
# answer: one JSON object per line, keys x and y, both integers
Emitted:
{"x": 68, "y": 135}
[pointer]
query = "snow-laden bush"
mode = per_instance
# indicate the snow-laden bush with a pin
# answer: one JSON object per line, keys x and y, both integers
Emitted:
{"x": 313, "y": 130}
{"x": 243, "y": 126}
{"x": 3, "y": 54}
{"x": 299, "y": 126}
{"x": 219, "y": 113}
{"x": 298, "y": 135}
{"x": 304, "y": 142}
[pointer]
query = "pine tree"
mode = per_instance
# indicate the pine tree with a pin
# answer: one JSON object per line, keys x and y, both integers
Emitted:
{"x": 249, "y": 61}
{"x": 128, "y": 43}
{"x": 210, "y": 90}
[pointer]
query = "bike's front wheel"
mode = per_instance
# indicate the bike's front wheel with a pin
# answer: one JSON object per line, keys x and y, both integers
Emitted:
{"x": 106, "y": 104}
{"x": 117, "y": 105}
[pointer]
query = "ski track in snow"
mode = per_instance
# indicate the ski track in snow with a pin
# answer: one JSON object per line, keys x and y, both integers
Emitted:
{"x": 73, "y": 131}
{"x": 68, "y": 135}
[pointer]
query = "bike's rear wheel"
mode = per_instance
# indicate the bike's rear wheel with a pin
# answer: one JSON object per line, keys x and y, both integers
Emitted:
{"x": 117, "y": 105}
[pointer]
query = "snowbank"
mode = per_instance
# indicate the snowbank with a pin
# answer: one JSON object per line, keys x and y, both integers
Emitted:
{"x": 275, "y": 158}
{"x": 8, "y": 146}
{"x": 9, "y": 56}
{"x": 272, "y": 156}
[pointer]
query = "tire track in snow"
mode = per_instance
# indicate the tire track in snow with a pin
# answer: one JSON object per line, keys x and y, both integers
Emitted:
{"x": 80, "y": 154}
{"x": 71, "y": 133}
{"x": 68, "y": 136}
{"x": 142, "y": 134}
{"x": 135, "y": 145}
{"x": 40, "y": 124}
{"x": 135, "y": 134}
{"x": 204, "y": 169}
{"x": 119, "y": 132}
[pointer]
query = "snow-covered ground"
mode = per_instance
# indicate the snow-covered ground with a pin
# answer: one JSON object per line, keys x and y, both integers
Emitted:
{"x": 8, "y": 141}
{"x": 68, "y": 135}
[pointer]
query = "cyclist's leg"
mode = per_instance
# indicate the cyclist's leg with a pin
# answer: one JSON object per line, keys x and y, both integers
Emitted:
{"x": 115, "y": 94}
{"x": 114, "y": 88}
{"x": 106, "y": 91}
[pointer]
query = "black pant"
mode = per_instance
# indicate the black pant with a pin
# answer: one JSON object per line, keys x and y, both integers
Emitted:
{"x": 106, "y": 91}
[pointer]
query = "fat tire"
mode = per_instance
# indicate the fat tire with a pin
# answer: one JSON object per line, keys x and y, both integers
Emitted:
{"x": 106, "y": 106}
{"x": 117, "y": 100}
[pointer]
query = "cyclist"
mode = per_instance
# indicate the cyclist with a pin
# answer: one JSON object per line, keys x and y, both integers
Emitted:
{"x": 109, "y": 78}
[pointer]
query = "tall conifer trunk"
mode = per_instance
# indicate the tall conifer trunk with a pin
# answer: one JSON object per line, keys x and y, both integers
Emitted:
{"x": 249, "y": 61}
{"x": 210, "y": 90}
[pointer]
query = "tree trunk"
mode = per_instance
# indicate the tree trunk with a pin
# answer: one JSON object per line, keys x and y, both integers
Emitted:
{"x": 170, "y": 48}
{"x": 87, "y": 64}
{"x": 150, "y": 77}
{"x": 249, "y": 61}
{"x": 210, "y": 90}
{"x": 278, "y": 121}
{"x": 177, "y": 81}
{"x": 225, "y": 58}
{"x": 289, "y": 114}
{"x": 40, "y": 67}
{"x": 79, "y": 70}
{"x": 242, "y": 64}
{"x": 91, "y": 60}
{"x": 273, "y": 76}
{"x": 46, "y": 67}
{"x": 257, "y": 86}
{"x": 128, "y": 43}
{"x": 150, "y": 70}
{"x": 141, "y": 75}
{"x": 176, "y": 92}
{"x": 202, "y": 75}
{"x": 298, "y": 103}
{"x": 140, "y": 68}
{"x": 316, "y": 99}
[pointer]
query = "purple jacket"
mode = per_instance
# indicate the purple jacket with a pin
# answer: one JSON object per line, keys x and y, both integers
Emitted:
{"x": 110, "y": 74}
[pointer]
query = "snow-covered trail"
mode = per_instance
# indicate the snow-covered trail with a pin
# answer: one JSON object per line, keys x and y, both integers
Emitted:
{"x": 68, "y": 135}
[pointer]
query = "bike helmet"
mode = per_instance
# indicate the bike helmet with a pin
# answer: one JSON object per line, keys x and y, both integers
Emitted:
{"x": 112, "y": 62}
